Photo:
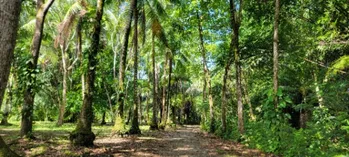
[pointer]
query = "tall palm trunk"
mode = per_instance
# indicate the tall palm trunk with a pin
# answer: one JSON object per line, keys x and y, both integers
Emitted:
{"x": 235, "y": 24}
{"x": 206, "y": 73}
{"x": 83, "y": 135}
{"x": 163, "y": 103}
{"x": 168, "y": 104}
{"x": 135, "y": 123}
{"x": 29, "y": 94}
{"x": 9, "y": 18}
{"x": 65, "y": 88}
{"x": 79, "y": 52}
{"x": 122, "y": 63}
{"x": 276, "y": 53}
{"x": 154, "y": 123}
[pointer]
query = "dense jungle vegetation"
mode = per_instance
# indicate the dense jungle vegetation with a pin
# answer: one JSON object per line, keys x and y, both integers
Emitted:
{"x": 263, "y": 77}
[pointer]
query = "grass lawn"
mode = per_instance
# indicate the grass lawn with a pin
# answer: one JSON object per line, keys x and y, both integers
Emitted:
{"x": 49, "y": 137}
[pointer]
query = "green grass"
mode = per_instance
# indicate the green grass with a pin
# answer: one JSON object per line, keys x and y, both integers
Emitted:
{"x": 49, "y": 127}
{"x": 49, "y": 136}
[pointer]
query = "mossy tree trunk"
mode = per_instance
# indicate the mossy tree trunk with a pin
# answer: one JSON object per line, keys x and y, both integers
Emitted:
{"x": 9, "y": 18}
{"x": 83, "y": 135}
{"x": 276, "y": 53}
{"x": 122, "y": 64}
{"x": 29, "y": 92}
{"x": 224, "y": 92}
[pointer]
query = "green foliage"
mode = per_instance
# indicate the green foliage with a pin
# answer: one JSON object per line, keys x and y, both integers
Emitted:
{"x": 325, "y": 136}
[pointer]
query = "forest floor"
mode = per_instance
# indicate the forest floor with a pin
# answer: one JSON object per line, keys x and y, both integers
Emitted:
{"x": 186, "y": 140}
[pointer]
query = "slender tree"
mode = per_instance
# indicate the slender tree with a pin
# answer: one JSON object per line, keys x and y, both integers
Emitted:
{"x": 154, "y": 123}
{"x": 235, "y": 17}
{"x": 163, "y": 102}
{"x": 9, "y": 18}
{"x": 75, "y": 13}
{"x": 83, "y": 135}
{"x": 29, "y": 93}
{"x": 122, "y": 63}
{"x": 207, "y": 78}
{"x": 135, "y": 123}
{"x": 276, "y": 53}
{"x": 224, "y": 99}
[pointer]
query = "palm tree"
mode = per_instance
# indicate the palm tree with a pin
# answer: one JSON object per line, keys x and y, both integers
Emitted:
{"x": 83, "y": 135}
{"x": 75, "y": 12}
{"x": 29, "y": 94}
{"x": 8, "y": 29}
{"x": 122, "y": 63}
{"x": 135, "y": 124}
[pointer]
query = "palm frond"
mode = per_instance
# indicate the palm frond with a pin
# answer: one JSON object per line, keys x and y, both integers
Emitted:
{"x": 159, "y": 8}
{"x": 30, "y": 26}
{"x": 65, "y": 27}
{"x": 339, "y": 65}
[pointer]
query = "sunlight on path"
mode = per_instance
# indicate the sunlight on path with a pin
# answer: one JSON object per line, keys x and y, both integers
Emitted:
{"x": 185, "y": 141}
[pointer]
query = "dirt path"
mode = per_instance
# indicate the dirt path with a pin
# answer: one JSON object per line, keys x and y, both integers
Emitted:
{"x": 185, "y": 141}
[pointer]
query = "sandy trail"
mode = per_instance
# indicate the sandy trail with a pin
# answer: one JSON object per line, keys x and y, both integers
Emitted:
{"x": 184, "y": 141}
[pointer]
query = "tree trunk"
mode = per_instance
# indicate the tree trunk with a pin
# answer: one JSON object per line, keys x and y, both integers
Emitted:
{"x": 8, "y": 103}
{"x": 64, "y": 91}
{"x": 318, "y": 91}
{"x": 109, "y": 101}
{"x": 154, "y": 123}
{"x": 163, "y": 108}
{"x": 247, "y": 97}
{"x": 140, "y": 111}
{"x": 235, "y": 24}
{"x": 206, "y": 74}
{"x": 122, "y": 63}
{"x": 135, "y": 123}
{"x": 303, "y": 115}
{"x": 29, "y": 93}
{"x": 103, "y": 119}
{"x": 168, "y": 104}
{"x": 9, "y": 17}
{"x": 147, "y": 110}
{"x": 83, "y": 135}
{"x": 224, "y": 99}
{"x": 276, "y": 53}
{"x": 79, "y": 52}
